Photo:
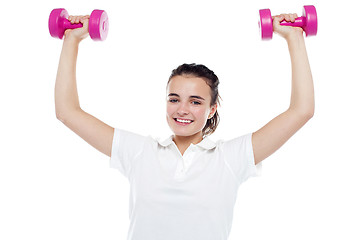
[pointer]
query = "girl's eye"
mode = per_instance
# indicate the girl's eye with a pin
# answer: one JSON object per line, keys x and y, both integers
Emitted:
{"x": 196, "y": 103}
{"x": 173, "y": 100}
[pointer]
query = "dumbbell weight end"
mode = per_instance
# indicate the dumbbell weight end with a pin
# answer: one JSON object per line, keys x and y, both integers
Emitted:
{"x": 265, "y": 24}
{"x": 98, "y": 25}
{"x": 310, "y": 15}
{"x": 56, "y": 22}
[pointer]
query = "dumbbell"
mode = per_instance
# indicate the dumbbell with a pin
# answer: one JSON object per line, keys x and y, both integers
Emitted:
{"x": 308, "y": 22}
{"x": 98, "y": 24}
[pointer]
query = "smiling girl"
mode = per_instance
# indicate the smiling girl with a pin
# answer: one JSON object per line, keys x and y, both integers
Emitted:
{"x": 185, "y": 187}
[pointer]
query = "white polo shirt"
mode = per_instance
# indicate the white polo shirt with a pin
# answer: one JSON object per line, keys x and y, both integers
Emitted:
{"x": 175, "y": 197}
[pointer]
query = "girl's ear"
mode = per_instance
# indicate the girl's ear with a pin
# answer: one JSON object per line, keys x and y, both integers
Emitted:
{"x": 213, "y": 111}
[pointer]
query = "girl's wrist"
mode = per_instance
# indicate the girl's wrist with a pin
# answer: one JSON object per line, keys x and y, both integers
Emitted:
{"x": 295, "y": 36}
{"x": 295, "y": 42}
{"x": 71, "y": 40}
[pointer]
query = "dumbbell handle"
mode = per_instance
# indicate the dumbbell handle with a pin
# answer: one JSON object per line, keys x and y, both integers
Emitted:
{"x": 299, "y": 22}
{"x": 68, "y": 25}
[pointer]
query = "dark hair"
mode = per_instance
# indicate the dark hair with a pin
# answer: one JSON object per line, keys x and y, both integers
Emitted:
{"x": 201, "y": 71}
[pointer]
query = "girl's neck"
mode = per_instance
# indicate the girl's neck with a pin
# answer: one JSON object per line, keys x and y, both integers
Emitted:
{"x": 183, "y": 142}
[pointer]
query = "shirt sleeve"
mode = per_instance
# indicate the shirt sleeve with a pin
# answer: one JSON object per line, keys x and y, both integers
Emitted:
{"x": 238, "y": 153}
{"x": 126, "y": 147}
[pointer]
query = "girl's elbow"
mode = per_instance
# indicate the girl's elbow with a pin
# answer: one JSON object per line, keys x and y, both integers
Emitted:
{"x": 310, "y": 112}
{"x": 60, "y": 117}
{"x": 307, "y": 115}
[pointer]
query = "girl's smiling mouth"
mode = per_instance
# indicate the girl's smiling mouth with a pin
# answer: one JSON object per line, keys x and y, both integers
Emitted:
{"x": 182, "y": 121}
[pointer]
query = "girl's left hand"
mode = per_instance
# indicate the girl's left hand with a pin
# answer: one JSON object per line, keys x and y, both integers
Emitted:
{"x": 286, "y": 31}
{"x": 78, "y": 33}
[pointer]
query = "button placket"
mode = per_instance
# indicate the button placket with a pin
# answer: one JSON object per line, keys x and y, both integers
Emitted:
{"x": 185, "y": 162}
{"x": 188, "y": 157}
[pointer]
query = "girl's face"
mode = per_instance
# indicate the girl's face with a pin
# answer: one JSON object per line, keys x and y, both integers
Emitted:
{"x": 188, "y": 105}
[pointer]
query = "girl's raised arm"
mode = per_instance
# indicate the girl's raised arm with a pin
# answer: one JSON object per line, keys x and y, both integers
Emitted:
{"x": 67, "y": 107}
{"x": 275, "y": 133}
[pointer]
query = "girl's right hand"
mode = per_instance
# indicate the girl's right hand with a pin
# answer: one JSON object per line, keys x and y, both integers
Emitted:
{"x": 286, "y": 31}
{"x": 78, "y": 33}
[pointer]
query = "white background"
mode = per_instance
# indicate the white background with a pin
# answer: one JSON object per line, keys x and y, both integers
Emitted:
{"x": 53, "y": 185}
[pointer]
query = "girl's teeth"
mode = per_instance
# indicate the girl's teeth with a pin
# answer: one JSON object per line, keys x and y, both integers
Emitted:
{"x": 183, "y": 121}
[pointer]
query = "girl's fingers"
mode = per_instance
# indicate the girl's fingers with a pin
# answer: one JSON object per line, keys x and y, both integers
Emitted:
{"x": 73, "y": 19}
{"x": 293, "y": 17}
{"x": 286, "y": 17}
{"x": 77, "y": 19}
{"x": 83, "y": 18}
{"x": 278, "y": 18}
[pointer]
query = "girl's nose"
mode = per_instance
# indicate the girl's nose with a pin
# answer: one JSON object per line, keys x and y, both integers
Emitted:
{"x": 183, "y": 109}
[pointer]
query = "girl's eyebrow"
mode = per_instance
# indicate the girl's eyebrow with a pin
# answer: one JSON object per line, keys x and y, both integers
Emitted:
{"x": 198, "y": 97}
{"x": 193, "y": 96}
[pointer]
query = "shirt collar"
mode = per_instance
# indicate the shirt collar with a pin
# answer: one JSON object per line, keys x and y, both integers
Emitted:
{"x": 206, "y": 143}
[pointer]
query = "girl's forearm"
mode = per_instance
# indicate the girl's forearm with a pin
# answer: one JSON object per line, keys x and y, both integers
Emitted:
{"x": 302, "y": 94}
{"x": 66, "y": 94}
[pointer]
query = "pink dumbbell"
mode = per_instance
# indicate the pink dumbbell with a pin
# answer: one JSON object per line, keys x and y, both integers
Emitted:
{"x": 98, "y": 24}
{"x": 308, "y": 22}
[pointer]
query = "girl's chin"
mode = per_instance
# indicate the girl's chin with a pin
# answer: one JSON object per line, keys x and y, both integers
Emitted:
{"x": 183, "y": 133}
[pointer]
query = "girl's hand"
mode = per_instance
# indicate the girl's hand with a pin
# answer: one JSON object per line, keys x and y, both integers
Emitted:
{"x": 286, "y": 31}
{"x": 79, "y": 33}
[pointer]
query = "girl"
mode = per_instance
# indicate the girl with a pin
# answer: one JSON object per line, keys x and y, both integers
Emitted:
{"x": 184, "y": 188}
